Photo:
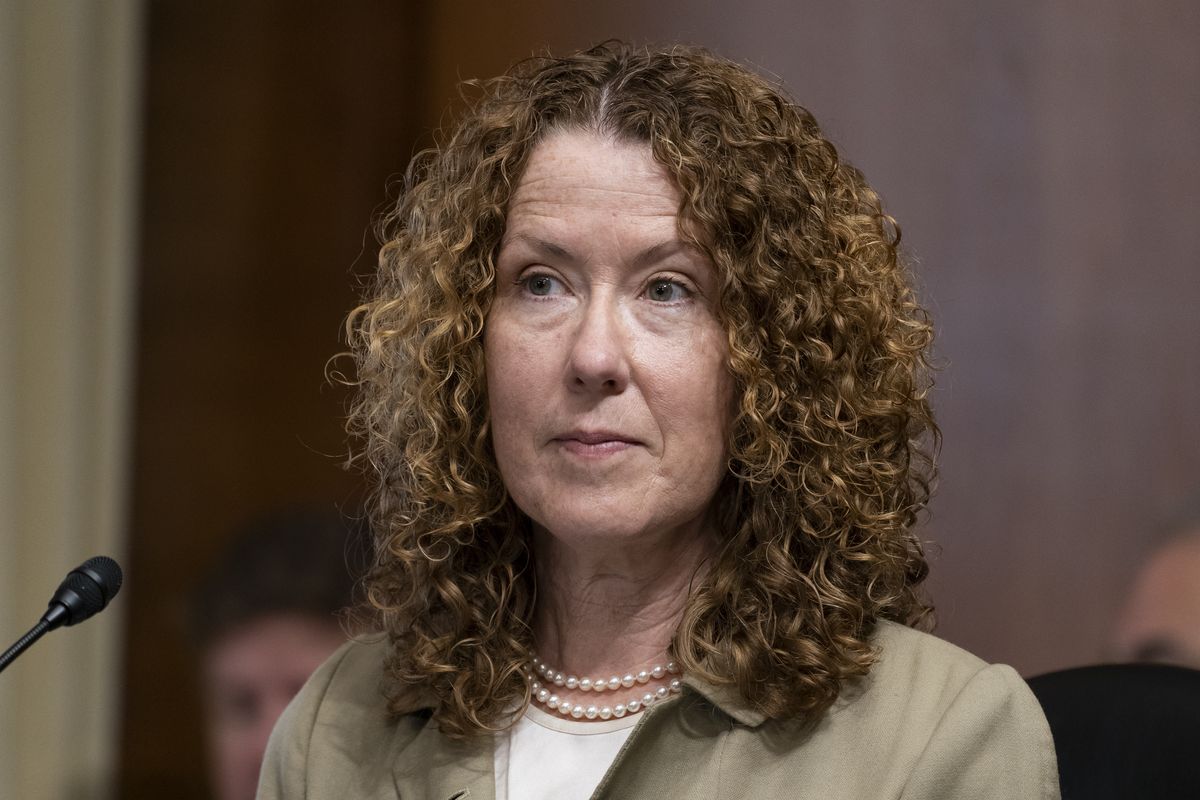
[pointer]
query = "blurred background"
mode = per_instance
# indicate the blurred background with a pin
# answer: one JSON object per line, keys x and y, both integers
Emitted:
{"x": 186, "y": 198}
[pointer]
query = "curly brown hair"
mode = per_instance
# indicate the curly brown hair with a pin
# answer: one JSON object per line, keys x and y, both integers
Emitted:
{"x": 832, "y": 443}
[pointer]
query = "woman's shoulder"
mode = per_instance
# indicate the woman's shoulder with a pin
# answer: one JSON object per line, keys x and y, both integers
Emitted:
{"x": 910, "y": 657}
{"x": 354, "y": 673}
{"x": 338, "y": 730}
{"x": 928, "y": 721}
{"x": 918, "y": 678}
{"x": 348, "y": 686}
{"x": 947, "y": 720}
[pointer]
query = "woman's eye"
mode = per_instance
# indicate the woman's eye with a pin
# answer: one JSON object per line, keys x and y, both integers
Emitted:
{"x": 665, "y": 291}
{"x": 541, "y": 285}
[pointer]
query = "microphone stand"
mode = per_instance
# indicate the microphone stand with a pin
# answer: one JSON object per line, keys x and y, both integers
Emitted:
{"x": 85, "y": 591}
{"x": 22, "y": 644}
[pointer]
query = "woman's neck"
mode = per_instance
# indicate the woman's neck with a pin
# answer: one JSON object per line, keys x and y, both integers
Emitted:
{"x": 606, "y": 608}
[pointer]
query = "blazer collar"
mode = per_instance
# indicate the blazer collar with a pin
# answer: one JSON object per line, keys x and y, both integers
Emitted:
{"x": 442, "y": 769}
{"x": 728, "y": 700}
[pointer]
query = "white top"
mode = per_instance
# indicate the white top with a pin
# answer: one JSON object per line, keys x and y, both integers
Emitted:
{"x": 548, "y": 757}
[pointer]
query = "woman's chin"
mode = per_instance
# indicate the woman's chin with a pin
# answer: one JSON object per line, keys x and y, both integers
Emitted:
{"x": 594, "y": 530}
{"x": 601, "y": 527}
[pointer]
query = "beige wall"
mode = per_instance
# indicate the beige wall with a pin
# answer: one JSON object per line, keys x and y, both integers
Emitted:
{"x": 68, "y": 145}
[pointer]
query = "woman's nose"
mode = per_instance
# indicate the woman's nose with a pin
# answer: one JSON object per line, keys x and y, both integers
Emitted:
{"x": 599, "y": 353}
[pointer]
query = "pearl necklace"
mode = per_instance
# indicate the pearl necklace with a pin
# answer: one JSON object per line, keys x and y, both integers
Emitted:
{"x": 548, "y": 698}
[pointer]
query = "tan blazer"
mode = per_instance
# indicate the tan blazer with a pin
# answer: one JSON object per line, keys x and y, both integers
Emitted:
{"x": 929, "y": 721}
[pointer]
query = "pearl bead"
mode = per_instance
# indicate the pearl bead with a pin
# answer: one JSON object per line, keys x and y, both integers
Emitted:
{"x": 543, "y": 693}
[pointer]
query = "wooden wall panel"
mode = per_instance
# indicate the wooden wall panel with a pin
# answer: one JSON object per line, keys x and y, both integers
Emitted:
{"x": 272, "y": 129}
{"x": 1041, "y": 161}
{"x": 1040, "y": 158}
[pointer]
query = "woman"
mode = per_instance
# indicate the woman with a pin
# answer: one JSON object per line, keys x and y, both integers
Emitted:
{"x": 643, "y": 391}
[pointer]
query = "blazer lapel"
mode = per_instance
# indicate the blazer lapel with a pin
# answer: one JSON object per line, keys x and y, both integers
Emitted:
{"x": 439, "y": 768}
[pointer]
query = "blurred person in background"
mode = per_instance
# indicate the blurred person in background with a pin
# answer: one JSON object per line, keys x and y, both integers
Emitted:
{"x": 1160, "y": 621}
{"x": 266, "y": 615}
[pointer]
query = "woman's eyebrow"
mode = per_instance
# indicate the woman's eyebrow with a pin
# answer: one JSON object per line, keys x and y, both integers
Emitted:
{"x": 661, "y": 251}
{"x": 649, "y": 255}
{"x": 541, "y": 246}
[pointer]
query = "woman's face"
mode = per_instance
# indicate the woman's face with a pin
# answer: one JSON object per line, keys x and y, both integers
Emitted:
{"x": 607, "y": 380}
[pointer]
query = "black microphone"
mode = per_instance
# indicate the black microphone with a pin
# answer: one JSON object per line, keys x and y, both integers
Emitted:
{"x": 86, "y": 590}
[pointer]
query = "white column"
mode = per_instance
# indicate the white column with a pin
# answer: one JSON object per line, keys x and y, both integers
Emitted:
{"x": 70, "y": 73}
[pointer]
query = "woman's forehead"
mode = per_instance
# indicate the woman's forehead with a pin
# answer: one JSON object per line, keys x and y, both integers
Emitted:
{"x": 579, "y": 186}
{"x": 577, "y": 166}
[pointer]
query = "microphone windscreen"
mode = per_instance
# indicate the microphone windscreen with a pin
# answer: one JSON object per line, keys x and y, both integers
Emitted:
{"x": 91, "y": 596}
{"x": 106, "y": 572}
{"x": 86, "y": 590}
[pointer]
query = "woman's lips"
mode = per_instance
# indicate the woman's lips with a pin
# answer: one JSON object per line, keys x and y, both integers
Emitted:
{"x": 595, "y": 443}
